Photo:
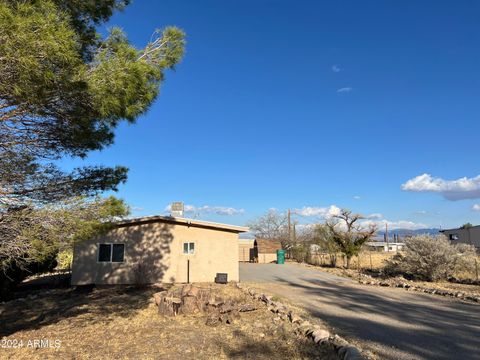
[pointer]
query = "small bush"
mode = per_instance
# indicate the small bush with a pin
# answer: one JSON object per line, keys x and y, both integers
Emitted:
{"x": 300, "y": 253}
{"x": 430, "y": 258}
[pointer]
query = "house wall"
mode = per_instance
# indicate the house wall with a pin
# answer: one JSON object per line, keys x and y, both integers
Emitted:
{"x": 267, "y": 258}
{"x": 469, "y": 236}
{"x": 245, "y": 251}
{"x": 158, "y": 247}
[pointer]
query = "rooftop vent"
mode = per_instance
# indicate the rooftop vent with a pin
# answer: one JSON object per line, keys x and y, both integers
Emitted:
{"x": 176, "y": 209}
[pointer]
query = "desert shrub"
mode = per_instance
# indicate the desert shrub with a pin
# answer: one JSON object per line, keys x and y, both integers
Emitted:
{"x": 465, "y": 264}
{"x": 430, "y": 258}
{"x": 300, "y": 252}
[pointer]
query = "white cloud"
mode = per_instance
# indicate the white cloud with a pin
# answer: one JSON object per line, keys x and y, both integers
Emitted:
{"x": 392, "y": 225}
{"x": 421, "y": 212}
{"x": 322, "y": 212}
{"x": 463, "y": 188}
{"x": 476, "y": 207}
{"x": 207, "y": 209}
{"x": 336, "y": 68}
{"x": 356, "y": 197}
{"x": 375, "y": 219}
{"x": 346, "y": 89}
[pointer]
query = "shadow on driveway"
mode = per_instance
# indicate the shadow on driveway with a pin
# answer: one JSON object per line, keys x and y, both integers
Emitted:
{"x": 393, "y": 323}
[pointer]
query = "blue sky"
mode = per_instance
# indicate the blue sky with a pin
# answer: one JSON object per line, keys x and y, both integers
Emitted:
{"x": 294, "y": 104}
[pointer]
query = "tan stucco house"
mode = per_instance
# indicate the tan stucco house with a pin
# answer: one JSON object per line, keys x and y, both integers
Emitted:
{"x": 245, "y": 250}
{"x": 158, "y": 249}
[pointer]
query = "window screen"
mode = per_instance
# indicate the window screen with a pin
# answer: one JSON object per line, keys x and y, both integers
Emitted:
{"x": 118, "y": 252}
{"x": 104, "y": 252}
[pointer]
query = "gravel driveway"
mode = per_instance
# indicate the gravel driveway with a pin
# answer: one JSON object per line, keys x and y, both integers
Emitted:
{"x": 391, "y": 323}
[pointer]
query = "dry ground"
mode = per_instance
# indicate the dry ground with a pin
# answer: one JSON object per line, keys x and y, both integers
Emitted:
{"x": 441, "y": 285}
{"x": 122, "y": 323}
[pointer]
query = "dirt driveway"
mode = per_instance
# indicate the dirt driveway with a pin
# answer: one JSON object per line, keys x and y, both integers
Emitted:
{"x": 391, "y": 323}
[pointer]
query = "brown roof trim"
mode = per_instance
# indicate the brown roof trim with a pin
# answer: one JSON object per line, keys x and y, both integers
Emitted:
{"x": 181, "y": 221}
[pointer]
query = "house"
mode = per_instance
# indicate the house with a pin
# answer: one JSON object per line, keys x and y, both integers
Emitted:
{"x": 384, "y": 246}
{"x": 265, "y": 250}
{"x": 465, "y": 234}
{"x": 158, "y": 249}
{"x": 245, "y": 250}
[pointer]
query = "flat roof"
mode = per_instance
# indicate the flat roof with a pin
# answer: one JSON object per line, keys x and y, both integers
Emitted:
{"x": 181, "y": 221}
{"x": 460, "y": 228}
{"x": 383, "y": 243}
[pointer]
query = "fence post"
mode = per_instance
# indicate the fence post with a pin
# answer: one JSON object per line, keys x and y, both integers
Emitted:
{"x": 476, "y": 268}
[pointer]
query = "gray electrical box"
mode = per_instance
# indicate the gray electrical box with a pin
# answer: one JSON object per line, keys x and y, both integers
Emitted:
{"x": 221, "y": 278}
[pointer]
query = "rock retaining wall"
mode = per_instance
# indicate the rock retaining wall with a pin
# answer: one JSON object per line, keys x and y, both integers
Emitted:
{"x": 411, "y": 286}
{"x": 316, "y": 333}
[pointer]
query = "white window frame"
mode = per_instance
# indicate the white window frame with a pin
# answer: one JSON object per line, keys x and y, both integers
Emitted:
{"x": 111, "y": 253}
{"x": 189, "y": 252}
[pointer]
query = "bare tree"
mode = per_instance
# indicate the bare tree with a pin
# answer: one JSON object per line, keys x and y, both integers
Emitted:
{"x": 348, "y": 234}
{"x": 272, "y": 225}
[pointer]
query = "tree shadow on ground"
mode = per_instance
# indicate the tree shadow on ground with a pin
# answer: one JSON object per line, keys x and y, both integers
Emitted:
{"x": 418, "y": 325}
{"x": 147, "y": 245}
{"x": 85, "y": 304}
{"x": 247, "y": 346}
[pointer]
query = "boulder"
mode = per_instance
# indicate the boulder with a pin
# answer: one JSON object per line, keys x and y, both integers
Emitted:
{"x": 320, "y": 335}
{"x": 350, "y": 353}
{"x": 158, "y": 297}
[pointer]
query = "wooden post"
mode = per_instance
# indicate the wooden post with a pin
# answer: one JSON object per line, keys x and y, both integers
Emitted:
{"x": 359, "y": 268}
{"x": 476, "y": 268}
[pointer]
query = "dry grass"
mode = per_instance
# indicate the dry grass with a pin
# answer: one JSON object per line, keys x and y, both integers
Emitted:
{"x": 122, "y": 323}
{"x": 368, "y": 260}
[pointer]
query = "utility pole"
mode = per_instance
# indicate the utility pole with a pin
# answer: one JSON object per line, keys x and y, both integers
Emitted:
{"x": 289, "y": 227}
{"x": 386, "y": 235}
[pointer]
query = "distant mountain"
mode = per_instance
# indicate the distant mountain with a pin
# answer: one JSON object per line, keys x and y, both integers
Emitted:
{"x": 408, "y": 232}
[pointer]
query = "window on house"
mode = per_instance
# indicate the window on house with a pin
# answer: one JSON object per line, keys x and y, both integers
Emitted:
{"x": 118, "y": 251}
{"x": 453, "y": 237}
{"x": 104, "y": 252}
{"x": 111, "y": 252}
{"x": 189, "y": 248}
